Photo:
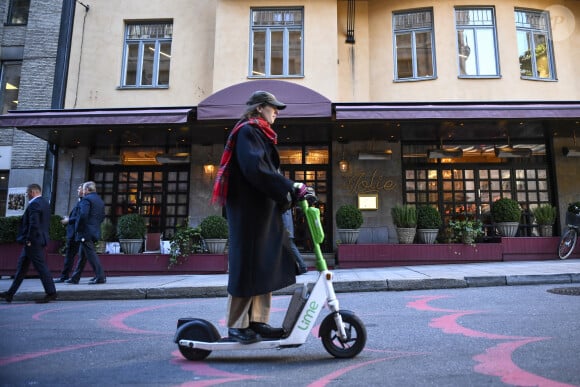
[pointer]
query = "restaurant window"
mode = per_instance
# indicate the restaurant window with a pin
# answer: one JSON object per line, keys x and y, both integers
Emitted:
{"x": 18, "y": 12}
{"x": 147, "y": 55}
{"x": 276, "y": 42}
{"x": 414, "y": 45}
{"x": 10, "y": 85}
{"x": 534, "y": 40}
{"x": 476, "y": 42}
{"x": 467, "y": 186}
{"x": 159, "y": 194}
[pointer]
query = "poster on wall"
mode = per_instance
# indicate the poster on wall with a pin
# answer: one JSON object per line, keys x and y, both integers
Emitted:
{"x": 16, "y": 201}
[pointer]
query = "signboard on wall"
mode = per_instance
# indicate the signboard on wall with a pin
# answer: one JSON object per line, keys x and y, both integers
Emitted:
{"x": 16, "y": 201}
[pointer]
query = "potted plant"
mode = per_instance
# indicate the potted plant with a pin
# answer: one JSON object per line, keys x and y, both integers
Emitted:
{"x": 9, "y": 229}
{"x": 428, "y": 223}
{"x": 349, "y": 219}
{"x": 405, "y": 220}
{"x": 466, "y": 230}
{"x": 506, "y": 214}
{"x": 214, "y": 231}
{"x": 131, "y": 230}
{"x": 545, "y": 217}
{"x": 108, "y": 237}
{"x": 56, "y": 234}
{"x": 186, "y": 241}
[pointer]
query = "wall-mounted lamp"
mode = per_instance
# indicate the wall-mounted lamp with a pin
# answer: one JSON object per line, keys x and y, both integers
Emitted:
{"x": 208, "y": 169}
{"x": 343, "y": 166}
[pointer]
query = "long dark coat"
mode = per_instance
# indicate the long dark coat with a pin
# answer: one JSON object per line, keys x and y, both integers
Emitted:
{"x": 257, "y": 196}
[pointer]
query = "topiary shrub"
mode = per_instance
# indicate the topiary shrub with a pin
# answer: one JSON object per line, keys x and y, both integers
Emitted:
{"x": 214, "y": 227}
{"x": 9, "y": 228}
{"x": 545, "y": 214}
{"x": 131, "y": 226}
{"x": 428, "y": 217}
{"x": 108, "y": 233}
{"x": 348, "y": 217}
{"x": 506, "y": 210}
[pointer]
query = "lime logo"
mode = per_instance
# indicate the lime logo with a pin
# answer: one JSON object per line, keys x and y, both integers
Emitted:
{"x": 306, "y": 320}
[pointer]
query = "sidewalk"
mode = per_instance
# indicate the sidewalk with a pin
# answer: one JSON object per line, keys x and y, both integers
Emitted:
{"x": 351, "y": 280}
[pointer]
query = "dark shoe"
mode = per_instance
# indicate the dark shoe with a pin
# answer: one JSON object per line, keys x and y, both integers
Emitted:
{"x": 46, "y": 299}
{"x": 244, "y": 335}
{"x": 6, "y": 296}
{"x": 72, "y": 281}
{"x": 266, "y": 331}
{"x": 96, "y": 281}
{"x": 60, "y": 280}
{"x": 302, "y": 270}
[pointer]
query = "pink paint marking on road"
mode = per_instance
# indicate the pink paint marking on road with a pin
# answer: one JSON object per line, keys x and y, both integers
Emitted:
{"x": 29, "y": 356}
{"x": 118, "y": 321}
{"x": 423, "y": 304}
{"x": 201, "y": 369}
{"x": 448, "y": 324}
{"x": 497, "y": 361}
{"x": 38, "y": 316}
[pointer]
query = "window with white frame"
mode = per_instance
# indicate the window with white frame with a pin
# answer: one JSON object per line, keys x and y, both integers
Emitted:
{"x": 534, "y": 44}
{"x": 276, "y": 42}
{"x": 414, "y": 45}
{"x": 476, "y": 42}
{"x": 147, "y": 54}
{"x": 18, "y": 12}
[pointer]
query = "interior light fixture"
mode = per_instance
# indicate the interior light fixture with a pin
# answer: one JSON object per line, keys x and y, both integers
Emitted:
{"x": 509, "y": 152}
{"x": 571, "y": 152}
{"x": 445, "y": 153}
{"x": 387, "y": 154}
{"x": 209, "y": 169}
{"x": 172, "y": 158}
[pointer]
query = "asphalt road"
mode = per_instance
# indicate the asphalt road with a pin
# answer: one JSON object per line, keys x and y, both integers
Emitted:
{"x": 493, "y": 336}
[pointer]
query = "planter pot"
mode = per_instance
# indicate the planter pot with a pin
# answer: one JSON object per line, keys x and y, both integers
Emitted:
{"x": 427, "y": 235}
{"x": 112, "y": 248}
{"x": 131, "y": 246}
{"x": 546, "y": 230}
{"x": 348, "y": 236}
{"x": 406, "y": 235}
{"x": 216, "y": 246}
{"x": 507, "y": 229}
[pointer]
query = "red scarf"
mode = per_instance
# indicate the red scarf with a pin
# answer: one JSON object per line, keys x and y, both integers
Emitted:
{"x": 220, "y": 186}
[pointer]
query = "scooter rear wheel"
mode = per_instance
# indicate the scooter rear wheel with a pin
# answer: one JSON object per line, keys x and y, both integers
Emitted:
{"x": 355, "y": 331}
{"x": 196, "y": 330}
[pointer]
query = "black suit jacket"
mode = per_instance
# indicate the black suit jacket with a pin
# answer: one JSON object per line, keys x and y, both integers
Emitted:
{"x": 35, "y": 223}
{"x": 90, "y": 216}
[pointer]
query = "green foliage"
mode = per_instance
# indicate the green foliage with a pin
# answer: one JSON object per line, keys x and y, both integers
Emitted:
{"x": 466, "y": 229}
{"x": 348, "y": 217}
{"x": 9, "y": 228}
{"x": 131, "y": 226}
{"x": 108, "y": 233}
{"x": 545, "y": 214}
{"x": 186, "y": 241}
{"x": 56, "y": 230}
{"x": 214, "y": 227}
{"x": 404, "y": 216}
{"x": 506, "y": 210}
{"x": 428, "y": 217}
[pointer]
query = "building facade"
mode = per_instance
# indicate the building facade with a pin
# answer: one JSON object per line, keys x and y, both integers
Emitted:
{"x": 452, "y": 104}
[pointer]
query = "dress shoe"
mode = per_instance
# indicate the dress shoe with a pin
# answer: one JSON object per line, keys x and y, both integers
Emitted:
{"x": 46, "y": 299}
{"x": 96, "y": 281}
{"x": 60, "y": 280}
{"x": 6, "y": 296}
{"x": 72, "y": 281}
{"x": 243, "y": 335}
{"x": 266, "y": 331}
{"x": 302, "y": 270}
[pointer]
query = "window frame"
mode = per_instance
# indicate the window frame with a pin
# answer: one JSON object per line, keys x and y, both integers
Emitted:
{"x": 475, "y": 49}
{"x": 413, "y": 32}
{"x": 531, "y": 32}
{"x": 286, "y": 30}
{"x": 11, "y": 9}
{"x": 141, "y": 42}
{"x": 3, "y": 81}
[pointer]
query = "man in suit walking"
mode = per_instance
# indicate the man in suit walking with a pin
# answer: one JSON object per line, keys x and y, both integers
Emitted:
{"x": 88, "y": 232}
{"x": 33, "y": 234}
{"x": 72, "y": 246}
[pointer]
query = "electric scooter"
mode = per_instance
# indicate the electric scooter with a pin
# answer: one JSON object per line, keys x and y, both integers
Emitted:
{"x": 342, "y": 333}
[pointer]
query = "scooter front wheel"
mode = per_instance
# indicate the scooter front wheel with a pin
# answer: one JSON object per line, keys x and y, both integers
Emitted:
{"x": 356, "y": 335}
{"x": 196, "y": 330}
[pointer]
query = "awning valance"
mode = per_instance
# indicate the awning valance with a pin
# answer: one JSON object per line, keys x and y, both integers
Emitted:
{"x": 458, "y": 111}
{"x": 24, "y": 119}
{"x": 230, "y": 103}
